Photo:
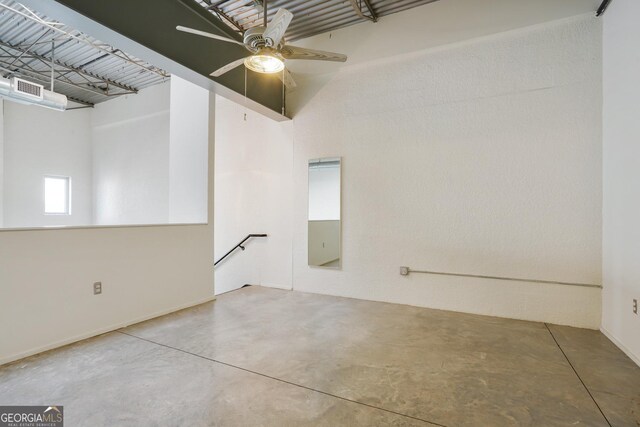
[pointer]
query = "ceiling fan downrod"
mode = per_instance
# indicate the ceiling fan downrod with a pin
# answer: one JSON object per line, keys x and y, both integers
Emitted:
{"x": 264, "y": 12}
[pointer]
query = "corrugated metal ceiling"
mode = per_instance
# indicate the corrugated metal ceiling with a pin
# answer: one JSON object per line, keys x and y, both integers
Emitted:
{"x": 310, "y": 17}
{"x": 86, "y": 70}
{"x": 89, "y": 72}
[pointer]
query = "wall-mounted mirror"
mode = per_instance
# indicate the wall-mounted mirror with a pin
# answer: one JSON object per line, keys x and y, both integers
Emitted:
{"x": 324, "y": 226}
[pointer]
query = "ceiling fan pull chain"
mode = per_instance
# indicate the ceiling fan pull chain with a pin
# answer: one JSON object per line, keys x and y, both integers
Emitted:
{"x": 245, "y": 94}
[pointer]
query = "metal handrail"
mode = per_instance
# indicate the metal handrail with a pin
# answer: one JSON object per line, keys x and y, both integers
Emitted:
{"x": 239, "y": 245}
{"x": 404, "y": 271}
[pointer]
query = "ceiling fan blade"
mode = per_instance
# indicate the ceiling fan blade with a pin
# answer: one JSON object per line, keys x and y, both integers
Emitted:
{"x": 294, "y": 52}
{"x": 277, "y": 27}
{"x": 230, "y": 66}
{"x": 205, "y": 34}
{"x": 286, "y": 78}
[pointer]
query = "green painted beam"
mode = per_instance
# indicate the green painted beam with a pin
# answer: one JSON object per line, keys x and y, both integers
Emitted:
{"x": 152, "y": 23}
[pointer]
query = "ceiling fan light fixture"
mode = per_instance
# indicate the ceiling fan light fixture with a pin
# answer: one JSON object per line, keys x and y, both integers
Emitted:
{"x": 268, "y": 48}
{"x": 264, "y": 63}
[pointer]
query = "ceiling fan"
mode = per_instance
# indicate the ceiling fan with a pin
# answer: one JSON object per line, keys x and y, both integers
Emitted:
{"x": 268, "y": 48}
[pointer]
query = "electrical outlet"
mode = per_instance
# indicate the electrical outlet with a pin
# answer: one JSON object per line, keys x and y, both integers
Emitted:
{"x": 635, "y": 306}
{"x": 97, "y": 288}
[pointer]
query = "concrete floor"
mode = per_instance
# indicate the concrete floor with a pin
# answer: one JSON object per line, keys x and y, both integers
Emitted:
{"x": 268, "y": 357}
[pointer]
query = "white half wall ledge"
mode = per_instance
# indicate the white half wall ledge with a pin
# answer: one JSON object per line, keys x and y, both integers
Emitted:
{"x": 46, "y": 294}
{"x": 89, "y": 227}
{"x": 88, "y": 26}
{"x": 47, "y": 276}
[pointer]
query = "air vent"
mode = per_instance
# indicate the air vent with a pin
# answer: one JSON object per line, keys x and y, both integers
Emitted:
{"x": 25, "y": 92}
{"x": 29, "y": 89}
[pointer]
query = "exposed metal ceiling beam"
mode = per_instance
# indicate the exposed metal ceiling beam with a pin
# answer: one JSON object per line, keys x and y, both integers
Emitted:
{"x": 307, "y": 13}
{"x": 22, "y": 52}
{"x": 146, "y": 29}
{"x": 603, "y": 7}
{"x": 371, "y": 12}
{"x": 106, "y": 81}
{"x": 223, "y": 16}
{"x": 335, "y": 12}
{"x": 357, "y": 6}
{"x": 328, "y": 26}
{"x": 32, "y": 17}
{"x": 312, "y": 17}
{"x": 43, "y": 77}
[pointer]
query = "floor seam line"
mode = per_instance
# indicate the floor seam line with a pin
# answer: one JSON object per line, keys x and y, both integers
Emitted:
{"x": 280, "y": 379}
{"x": 577, "y": 375}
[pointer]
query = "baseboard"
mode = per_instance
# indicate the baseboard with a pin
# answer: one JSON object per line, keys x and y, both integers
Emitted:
{"x": 67, "y": 341}
{"x": 621, "y": 346}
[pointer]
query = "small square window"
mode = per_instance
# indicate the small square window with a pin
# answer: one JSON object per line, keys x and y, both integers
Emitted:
{"x": 57, "y": 195}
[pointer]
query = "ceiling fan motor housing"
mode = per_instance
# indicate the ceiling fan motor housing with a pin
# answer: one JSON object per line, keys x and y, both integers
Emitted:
{"x": 254, "y": 41}
{"x": 268, "y": 48}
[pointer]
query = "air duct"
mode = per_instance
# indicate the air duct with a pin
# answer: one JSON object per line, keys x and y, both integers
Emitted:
{"x": 26, "y": 92}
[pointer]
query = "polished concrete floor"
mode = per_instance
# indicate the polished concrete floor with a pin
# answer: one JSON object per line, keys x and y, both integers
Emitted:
{"x": 269, "y": 357}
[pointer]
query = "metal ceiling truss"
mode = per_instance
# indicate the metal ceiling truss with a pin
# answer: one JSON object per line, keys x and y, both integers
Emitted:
{"x": 603, "y": 7}
{"x": 88, "y": 72}
{"x": 357, "y": 7}
{"x": 85, "y": 39}
{"x": 311, "y": 17}
{"x": 222, "y": 16}
{"x": 92, "y": 79}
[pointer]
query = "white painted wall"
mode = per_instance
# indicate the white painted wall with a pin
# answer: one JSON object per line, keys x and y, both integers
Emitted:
{"x": 479, "y": 157}
{"x": 131, "y": 158}
{"x": 621, "y": 131}
{"x": 38, "y": 142}
{"x": 433, "y": 25}
{"x": 138, "y": 159}
{"x": 46, "y": 295}
{"x": 253, "y": 195}
{"x": 187, "y": 152}
{"x": 523, "y": 199}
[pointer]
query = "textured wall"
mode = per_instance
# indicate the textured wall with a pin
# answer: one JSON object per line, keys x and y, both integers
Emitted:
{"x": 621, "y": 238}
{"x": 253, "y": 195}
{"x": 481, "y": 157}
